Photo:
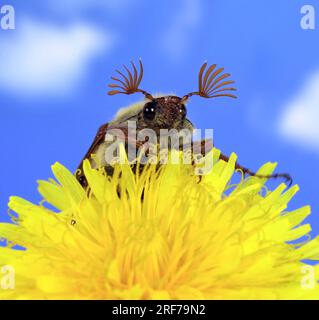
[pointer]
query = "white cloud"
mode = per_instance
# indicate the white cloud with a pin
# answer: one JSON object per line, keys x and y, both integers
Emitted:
{"x": 177, "y": 37}
{"x": 38, "y": 58}
{"x": 300, "y": 119}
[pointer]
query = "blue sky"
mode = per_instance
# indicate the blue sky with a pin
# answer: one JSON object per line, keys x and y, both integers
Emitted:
{"x": 54, "y": 68}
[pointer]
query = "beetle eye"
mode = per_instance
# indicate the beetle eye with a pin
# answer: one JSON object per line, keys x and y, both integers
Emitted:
{"x": 149, "y": 111}
{"x": 182, "y": 111}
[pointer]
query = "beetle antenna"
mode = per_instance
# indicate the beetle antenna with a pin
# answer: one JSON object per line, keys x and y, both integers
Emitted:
{"x": 212, "y": 83}
{"x": 129, "y": 84}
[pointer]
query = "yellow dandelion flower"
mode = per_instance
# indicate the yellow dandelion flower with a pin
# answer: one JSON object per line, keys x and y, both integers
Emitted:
{"x": 160, "y": 235}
